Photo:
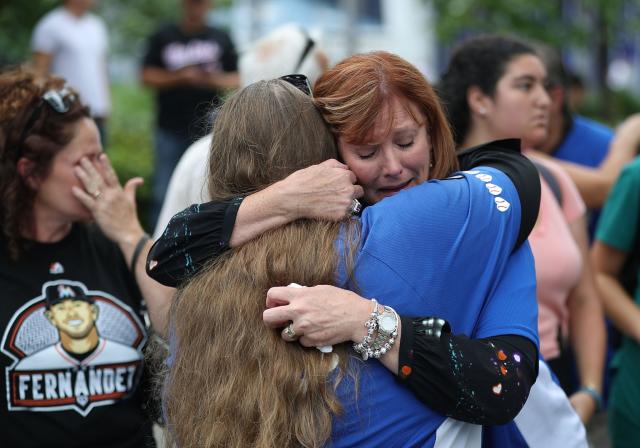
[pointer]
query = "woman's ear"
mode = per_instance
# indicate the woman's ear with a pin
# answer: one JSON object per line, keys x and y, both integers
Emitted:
{"x": 478, "y": 101}
{"x": 25, "y": 171}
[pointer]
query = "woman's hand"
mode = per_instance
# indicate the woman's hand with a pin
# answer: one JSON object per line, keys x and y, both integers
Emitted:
{"x": 584, "y": 405}
{"x": 320, "y": 315}
{"x": 113, "y": 207}
{"x": 323, "y": 191}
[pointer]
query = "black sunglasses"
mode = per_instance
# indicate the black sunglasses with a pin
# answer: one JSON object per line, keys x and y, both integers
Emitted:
{"x": 300, "y": 82}
{"x": 59, "y": 100}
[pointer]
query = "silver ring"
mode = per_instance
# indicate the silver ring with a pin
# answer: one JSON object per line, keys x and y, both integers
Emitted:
{"x": 96, "y": 194}
{"x": 289, "y": 331}
{"x": 355, "y": 207}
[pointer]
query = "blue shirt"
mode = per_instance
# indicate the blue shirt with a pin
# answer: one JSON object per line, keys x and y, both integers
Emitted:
{"x": 586, "y": 143}
{"x": 445, "y": 249}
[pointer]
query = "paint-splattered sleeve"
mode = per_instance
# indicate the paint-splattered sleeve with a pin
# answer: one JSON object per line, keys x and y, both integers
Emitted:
{"x": 194, "y": 236}
{"x": 480, "y": 381}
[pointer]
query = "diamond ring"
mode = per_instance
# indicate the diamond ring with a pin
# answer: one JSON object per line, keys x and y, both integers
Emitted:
{"x": 289, "y": 332}
{"x": 355, "y": 207}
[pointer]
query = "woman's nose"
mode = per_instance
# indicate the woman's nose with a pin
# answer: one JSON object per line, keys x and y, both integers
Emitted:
{"x": 392, "y": 164}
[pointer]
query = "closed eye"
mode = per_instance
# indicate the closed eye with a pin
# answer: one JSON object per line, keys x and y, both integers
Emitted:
{"x": 367, "y": 155}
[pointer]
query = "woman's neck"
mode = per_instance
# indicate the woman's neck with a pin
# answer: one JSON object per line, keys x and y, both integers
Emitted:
{"x": 47, "y": 227}
{"x": 476, "y": 136}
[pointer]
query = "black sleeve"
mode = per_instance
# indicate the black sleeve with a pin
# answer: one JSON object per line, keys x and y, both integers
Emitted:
{"x": 505, "y": 156}
{"x": 480, "y": 381}
{"x": 193, "y": 237}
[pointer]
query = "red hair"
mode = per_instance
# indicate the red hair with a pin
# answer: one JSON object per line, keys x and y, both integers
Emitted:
{"x": 352, "y": 94}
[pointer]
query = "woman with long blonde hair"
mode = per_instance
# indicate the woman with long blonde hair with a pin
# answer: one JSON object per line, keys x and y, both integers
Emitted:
{"x": 217, "y": 317}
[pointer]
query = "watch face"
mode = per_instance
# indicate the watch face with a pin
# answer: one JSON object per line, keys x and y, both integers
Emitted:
{"x": 387, "y": 322}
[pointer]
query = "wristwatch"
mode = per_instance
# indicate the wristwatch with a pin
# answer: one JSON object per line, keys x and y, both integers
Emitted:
{"x": 388, "y": 323}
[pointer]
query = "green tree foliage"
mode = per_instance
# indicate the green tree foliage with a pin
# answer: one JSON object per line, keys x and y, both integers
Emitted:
{"x": 17, "y": 18}
{"x": 590, "y": 25}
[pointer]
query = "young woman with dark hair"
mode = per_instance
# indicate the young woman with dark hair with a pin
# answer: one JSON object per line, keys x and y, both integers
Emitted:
{"x": 494, "y": 87}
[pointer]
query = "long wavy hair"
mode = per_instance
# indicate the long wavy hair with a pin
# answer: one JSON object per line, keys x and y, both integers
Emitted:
{"x": 21, "y": 93}
{"x": 232, "y": 381}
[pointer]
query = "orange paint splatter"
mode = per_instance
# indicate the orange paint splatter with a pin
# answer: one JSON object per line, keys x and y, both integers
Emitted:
{"x": 497, "y": 389}
{"x": 501, "y": 355}
{"x": 503, "y": 370}
{"x": 405, "y": 370}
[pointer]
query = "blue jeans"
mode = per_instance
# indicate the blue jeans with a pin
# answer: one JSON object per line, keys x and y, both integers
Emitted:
{"x": 169, "y": 147}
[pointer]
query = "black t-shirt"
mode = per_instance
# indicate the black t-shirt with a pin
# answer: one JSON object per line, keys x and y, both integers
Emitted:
{"x": 70, "y": 371}
{"x": 182, "y": 109}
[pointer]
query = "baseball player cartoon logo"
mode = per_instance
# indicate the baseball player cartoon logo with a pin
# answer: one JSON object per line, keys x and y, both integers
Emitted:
{"x": 72, "y": 349}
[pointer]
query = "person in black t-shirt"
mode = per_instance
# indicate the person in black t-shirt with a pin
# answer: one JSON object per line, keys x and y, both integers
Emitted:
{"x": 189, "y": 64}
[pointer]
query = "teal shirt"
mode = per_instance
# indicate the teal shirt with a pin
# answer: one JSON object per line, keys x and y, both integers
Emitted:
{"x": 619, "y": 226}
{"x": 620, "y": 220}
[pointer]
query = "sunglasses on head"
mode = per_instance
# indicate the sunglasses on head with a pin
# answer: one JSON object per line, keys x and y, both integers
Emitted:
{"x": 58, "y": 100}
{"x": 300, "y": 82}
{"x": 310, "y": 43}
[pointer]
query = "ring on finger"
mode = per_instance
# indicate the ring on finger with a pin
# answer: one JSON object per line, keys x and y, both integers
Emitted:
{"x": 355, "y": 207}
{"x": 289, "y": 332}
{"x": 96, "y": 194}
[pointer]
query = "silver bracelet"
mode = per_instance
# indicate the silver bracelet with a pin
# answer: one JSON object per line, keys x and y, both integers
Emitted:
{"x": 362, "y": 348}
{"x": 385, "y": 327}
{"x": 387, "y": 332}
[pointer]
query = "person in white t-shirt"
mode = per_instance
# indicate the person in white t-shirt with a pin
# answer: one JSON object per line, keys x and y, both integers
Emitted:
{"x": 72, "y": 43}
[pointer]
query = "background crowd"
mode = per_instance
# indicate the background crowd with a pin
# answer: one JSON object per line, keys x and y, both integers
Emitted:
{"x": 491, "y": 87}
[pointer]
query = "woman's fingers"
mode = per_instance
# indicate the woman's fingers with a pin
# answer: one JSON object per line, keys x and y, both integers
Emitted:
{"x": 277, "y": 317}
{"x": 131, "y": 186}
{"x": 86, "y": 199}
{"x": 91, "y": 179}
{"x": 110, "y": 176}
{"x": 333, "y": 163}
{"x": 279, "y": 296}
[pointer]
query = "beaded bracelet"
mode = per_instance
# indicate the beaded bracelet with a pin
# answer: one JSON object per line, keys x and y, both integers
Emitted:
{"x": 371, "y": 347}
{"x": 372, "y": 325}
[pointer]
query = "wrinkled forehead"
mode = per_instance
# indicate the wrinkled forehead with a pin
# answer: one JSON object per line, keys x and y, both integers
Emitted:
{"x": 396, "y": 114}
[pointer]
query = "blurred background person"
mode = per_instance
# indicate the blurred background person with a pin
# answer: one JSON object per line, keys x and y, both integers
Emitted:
{"x": 189, "y": 64}
{"x": 580, "y": 145}
{"x": 494, "y": 87}
{"x": 287, "y": 49}
{"x": 55, "y": 180}
{"x": 617, "y": 242}
{"x": 577, "y": 91}
{"x": 73, "y": 43}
